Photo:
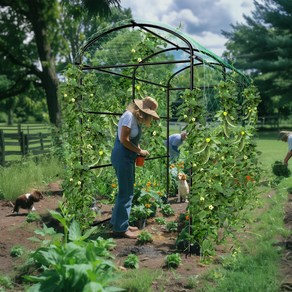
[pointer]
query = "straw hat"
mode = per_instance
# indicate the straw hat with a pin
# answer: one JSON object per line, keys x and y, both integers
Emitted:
{"x": 284, "y": 135}
{"x": 147, "y": 105}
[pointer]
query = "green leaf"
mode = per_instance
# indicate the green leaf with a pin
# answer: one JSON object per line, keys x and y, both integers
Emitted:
{"x": 74, "y": 231}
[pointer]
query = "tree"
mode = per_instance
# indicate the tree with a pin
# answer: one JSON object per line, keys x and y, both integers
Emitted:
{"x": 263, "y": 48}
{"x": 30, "y": 42}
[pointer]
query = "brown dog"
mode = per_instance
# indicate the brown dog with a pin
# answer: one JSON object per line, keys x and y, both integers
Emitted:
{"x": 27, "y": 201}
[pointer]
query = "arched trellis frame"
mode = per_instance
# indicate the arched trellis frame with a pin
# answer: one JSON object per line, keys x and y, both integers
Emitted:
{"x": 214, "y": 101}
{"x": 174, "y": 49}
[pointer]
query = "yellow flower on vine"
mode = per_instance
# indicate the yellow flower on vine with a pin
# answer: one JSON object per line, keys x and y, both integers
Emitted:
{"x": 79, "y": 183}
{"x": 114, "y": 185}
{"x": 185, "y": 116}
{"x": 65, "y": 95}
{"x": 208, "y": 140}
{"x": 225, "y": 114}
{"x": 73, "y": 99}
{"x": 100, "y": 152}
{"x": 242, "y": 133}
{"x": 148, "y": 184}
{"x": 71, "y": 179}
{"x": 193, "y": 119}
{"x": 147, "y": 206}
{"x": 154, "y": 133}
{"x": 139, "y": 60}
{"x": 211, "y": 207}
{"x": 202, "y": 199}
{"x": 91, "y": 95}
{"x": 133, "y": 51}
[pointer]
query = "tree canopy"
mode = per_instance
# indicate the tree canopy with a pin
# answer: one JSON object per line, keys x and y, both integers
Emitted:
{"x": 263, "y": 48}
{"x": 38, "y": 38}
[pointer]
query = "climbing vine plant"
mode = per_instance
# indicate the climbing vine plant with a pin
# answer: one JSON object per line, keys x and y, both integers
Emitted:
{"x": 220, "y": 153}
{"x": 222, "y": 160}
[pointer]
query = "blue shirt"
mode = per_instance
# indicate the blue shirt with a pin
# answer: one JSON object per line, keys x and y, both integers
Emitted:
{"x": 175, "y": 141}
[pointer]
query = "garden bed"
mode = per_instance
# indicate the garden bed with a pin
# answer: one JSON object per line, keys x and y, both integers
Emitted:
{"x": 16, "y": 231}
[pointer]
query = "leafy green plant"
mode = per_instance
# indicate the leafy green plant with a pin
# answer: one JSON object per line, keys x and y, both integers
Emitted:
{"x": 167, "y": 210}
{"x": 140, "y": 212}
{"x": 173, "y": 260}
{"x": 17, "y": 251}
{"x": 144, "y": 237}
{"x": 160, "y": 220}
{"x": 33, "y": 217}
{"x": 77, "y": 263}
{"x": 171, "y": 226}
{"x": 5, "y": 282}
{"x": 131, "y": 262}
{"x": 224, "y": 160}
{"x": 280, "y": 169}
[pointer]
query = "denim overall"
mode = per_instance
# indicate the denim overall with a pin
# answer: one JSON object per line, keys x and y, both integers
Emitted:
{"x": 123, "y": 160}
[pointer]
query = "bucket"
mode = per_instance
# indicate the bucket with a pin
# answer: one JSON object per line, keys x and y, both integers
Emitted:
{"x": 140, "y": 160}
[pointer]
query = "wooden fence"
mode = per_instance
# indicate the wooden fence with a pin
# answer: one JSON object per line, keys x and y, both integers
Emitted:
{"x": 21, "y": 140}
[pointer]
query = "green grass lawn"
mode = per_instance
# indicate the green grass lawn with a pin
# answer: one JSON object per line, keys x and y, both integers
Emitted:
{"x": 271, "y": 149}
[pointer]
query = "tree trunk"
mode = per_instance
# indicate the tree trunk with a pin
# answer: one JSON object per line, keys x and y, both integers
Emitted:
{"x": 39, "y": 20}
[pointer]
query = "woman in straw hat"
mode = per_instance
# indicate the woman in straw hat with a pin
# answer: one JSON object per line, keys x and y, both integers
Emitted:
{"x": 124, "y": 153}
{"x": 286, "y": 136}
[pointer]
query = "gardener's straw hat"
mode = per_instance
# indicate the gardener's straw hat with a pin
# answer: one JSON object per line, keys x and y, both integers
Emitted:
{"x": 148, "y": 105}
{"x": 284, "y": 135}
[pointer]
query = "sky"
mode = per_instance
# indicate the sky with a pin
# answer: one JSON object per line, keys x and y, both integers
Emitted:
{"x": 203, "y": 20}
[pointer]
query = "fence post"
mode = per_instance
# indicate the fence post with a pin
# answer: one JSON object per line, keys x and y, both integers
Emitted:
{"x": 41, "y": 141}
{"x": 26, "y": 143}
{"x": 21, "y": 143}
{"x": 19, "y": 128}
{"x": 2, "y": 148}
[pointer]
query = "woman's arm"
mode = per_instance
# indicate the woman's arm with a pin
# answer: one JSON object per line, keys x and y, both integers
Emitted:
{"x": 125, "y": 140}
{"x": 287, "y": 157}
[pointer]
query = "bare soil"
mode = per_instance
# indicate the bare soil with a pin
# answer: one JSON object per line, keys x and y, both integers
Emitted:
{"x": 15, "y": 231}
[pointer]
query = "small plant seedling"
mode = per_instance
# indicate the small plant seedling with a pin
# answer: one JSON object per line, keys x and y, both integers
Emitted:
{"x": 160, "y": 220}
{"x": 173, "y": 260}
{"x": 171, "y": 226}
{"x": 132, "y": 262}
{"x": 144, "y": 237}
{"x": 32, "y": 217}
{"x": 16, "y": 251}
{"x": 5, "y": 282}
{"x": 167, "y": 210}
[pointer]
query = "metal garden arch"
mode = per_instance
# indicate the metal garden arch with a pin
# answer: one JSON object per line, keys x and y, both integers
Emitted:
{"x": 185, "y": 64}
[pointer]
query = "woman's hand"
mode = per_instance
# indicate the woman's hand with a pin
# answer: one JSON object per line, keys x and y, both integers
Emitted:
{"x": 143, "y": 152}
